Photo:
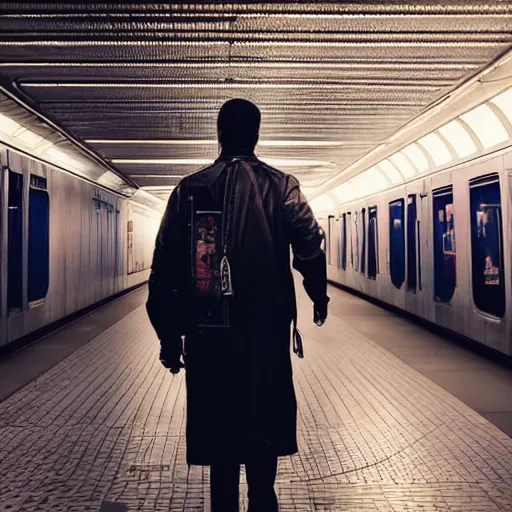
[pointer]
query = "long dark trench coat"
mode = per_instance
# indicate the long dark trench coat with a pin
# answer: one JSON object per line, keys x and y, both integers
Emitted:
{"x": 240, "y": 395}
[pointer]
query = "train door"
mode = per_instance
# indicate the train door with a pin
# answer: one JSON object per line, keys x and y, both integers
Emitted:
{"x": 487, "y": 259}
{"x": 411, "y": 243}
{"x": 373, "y": 256}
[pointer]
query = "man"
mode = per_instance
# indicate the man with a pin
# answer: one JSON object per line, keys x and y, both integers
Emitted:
{"x": 235, "y": 308}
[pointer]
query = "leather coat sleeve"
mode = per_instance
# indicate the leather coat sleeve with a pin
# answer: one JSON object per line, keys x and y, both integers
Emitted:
{"x": 306, "y": 238}
{"x": 165, "y": 305}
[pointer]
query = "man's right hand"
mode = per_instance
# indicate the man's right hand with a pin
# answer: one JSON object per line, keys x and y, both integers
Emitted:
{"x": 320, "y": 313}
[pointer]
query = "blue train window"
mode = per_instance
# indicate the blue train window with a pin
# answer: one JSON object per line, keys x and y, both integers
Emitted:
{"x": 487, "y": 245}
{"x": 411, "y": 243}
{"x": 397, "y": 242}
{"x": 15, "y": 241}
{"x": 445, "y": 278}
{"x": 355, "y": 242}
{"x": 363, "y": 241}
{"x": 38, "y": 239}
{"x": 344, "y": 241}
{"x": 372, "y": 242}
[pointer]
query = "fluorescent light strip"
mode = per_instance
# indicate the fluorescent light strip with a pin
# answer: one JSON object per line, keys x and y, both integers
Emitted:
{"x": 265, "y": 143}
{"x": 204, "y": 161}
{"x": 135, "y": 176}
{"x": 273, "y": 44}
{"x": 277, "y": 64}
{"x": 213, "y": 85}
{"x": 156, "y": 188}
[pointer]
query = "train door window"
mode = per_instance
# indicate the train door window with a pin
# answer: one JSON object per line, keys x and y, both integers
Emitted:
{"x": 372, "y": 242}
{"x": 363, "y": 241}
{"x": 344, "y": 241}
{"x": 487, "y": 245}
{"x": 349, "y": 234}
{"x": 445, "y": 278}
{"x": 15, "y": 241}
{"x": 411, "y": 243}
{"x": 331, "y": 241}
{"x": 338, "y": 243}
{"x": 397, "y": 242}
{"x": 355, "y": 241}
{"x": 38, "y": 239}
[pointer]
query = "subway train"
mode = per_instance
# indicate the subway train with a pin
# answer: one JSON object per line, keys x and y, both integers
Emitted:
{"x": 438, "y": 247}
{"x": 65, "y": 244}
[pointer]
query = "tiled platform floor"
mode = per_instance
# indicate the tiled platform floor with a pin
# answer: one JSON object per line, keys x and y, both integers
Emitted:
{"x": 103, "y": 430}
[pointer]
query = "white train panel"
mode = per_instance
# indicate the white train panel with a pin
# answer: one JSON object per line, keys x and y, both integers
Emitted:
{"x": 455, "y": 228}
{"x": 87, "y": 257}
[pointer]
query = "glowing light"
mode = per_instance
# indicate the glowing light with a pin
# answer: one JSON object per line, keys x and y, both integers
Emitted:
{"x": 459, "y": 138}
{"x": 488, "y": 128}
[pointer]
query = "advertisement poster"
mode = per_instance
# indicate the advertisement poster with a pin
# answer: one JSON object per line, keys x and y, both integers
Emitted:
{"x": 207, "y": 248}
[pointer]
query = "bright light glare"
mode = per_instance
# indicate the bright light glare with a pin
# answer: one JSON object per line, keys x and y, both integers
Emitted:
{"x": 265, "y": 143}
{"x": 368, "y": 182}
{"x": 8, "y": 126}
{"x": 344, "y": 192}
{"x": 404, "y": 166}
{"x": 436, "y": 148}
{"x": 163, "y": 161}
{"x": 417, "y": 156}
{"x": 391, "y": 172}
{"x": 29, "y": 137}
{"x": 278, "y": 162}
{"x": 322, "y": 203}
{"x": 504, "y": 102}
{"x": 459, "y": 138}
{"x": 488, "y": 128}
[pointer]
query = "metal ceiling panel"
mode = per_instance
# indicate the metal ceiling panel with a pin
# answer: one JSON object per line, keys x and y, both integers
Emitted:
{"x": 345, "y": 75}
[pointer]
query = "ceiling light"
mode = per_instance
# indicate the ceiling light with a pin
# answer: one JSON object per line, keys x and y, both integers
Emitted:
{"x": 217, "y": 85}
{"x": 163, "y": 161}
{"x": 436, "y": 148}
{"x": 459, "y": 138}
{"x": 504, "y": 102}
{"x": 29, "y": 137}
{"x": 8, "y": 126}
{"x": 283, "y": 162}
{"x": 488, "y": 128}
{"x": 199, "y": 142}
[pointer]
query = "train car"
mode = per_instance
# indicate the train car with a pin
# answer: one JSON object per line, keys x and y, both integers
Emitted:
{"x": 439, "y": 245}
{"x": 65, "y": 244}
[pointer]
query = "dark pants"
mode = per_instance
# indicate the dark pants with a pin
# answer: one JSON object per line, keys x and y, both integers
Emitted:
{"x": 261, "y": 474}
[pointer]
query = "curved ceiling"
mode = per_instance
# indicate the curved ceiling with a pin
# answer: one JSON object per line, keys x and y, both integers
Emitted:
{"x": 141, "y": 83}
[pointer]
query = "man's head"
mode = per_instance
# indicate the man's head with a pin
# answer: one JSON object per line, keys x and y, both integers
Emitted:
{"x": 238, "y": 125}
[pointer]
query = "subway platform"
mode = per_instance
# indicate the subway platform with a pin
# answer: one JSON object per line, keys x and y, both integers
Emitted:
{"x": 101, "y": 427}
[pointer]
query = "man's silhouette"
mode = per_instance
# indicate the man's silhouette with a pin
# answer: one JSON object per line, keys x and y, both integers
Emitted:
{"x": 235, "y": 308}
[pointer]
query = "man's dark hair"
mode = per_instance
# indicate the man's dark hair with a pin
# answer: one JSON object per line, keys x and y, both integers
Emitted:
{"x": 238, "y": 124}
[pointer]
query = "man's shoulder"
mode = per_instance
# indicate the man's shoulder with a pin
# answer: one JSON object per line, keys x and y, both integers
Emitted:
{"x": 283, "y": 178}
{"x": 203, "y": 173}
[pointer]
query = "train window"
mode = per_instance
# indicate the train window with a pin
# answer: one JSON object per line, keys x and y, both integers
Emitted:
{"x": 397, "y": 242}
{"x": 349, "y": 233}
{"x": 487, "y": 245}
{"x": 411, "y": 243}
{"x": 38, "y": 240}
{"x": 331, "y": 240}
{"x": 15, "y": 241}
{"x": 344, "y": 241}
{"x": 445, "y": 278}
{"x": 363, "y": 241}
{"x": 355, "y": 241}
{"x": 373, "y": 256}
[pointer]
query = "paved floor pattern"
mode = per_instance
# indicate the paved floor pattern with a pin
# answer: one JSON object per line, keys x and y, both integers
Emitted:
{"x": 104, "y": 430}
